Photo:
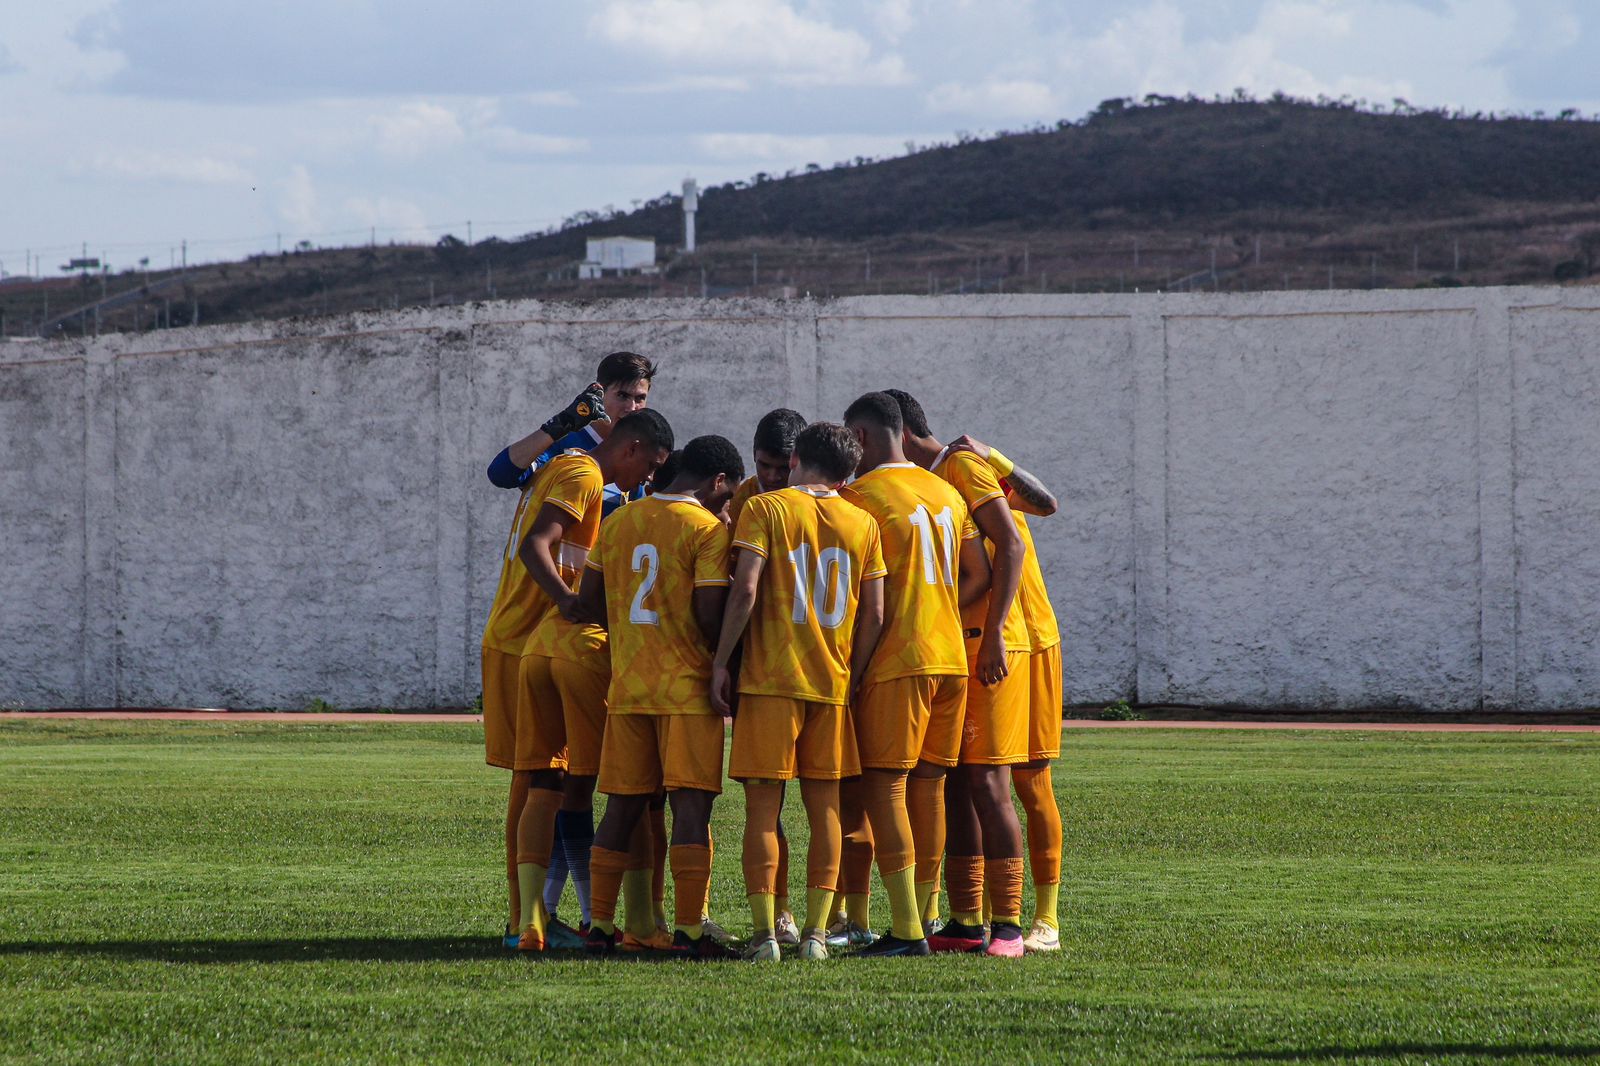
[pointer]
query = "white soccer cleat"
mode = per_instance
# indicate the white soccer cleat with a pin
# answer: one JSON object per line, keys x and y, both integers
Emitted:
{"x": 845, "y": 933}
{"x": 1042, "y": 937}
{"x": 814, "y": 944}
{"x": 717, "y": 933}
{"x": 787, "y": 931}
{"x": 762, "y": 949}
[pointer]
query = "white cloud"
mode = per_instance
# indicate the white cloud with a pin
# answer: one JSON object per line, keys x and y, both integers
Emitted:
{"x": 400, "y": 218}
{"x": 761, "y": 36}
{"x": 996, "y": 99}
{"x": 143, "y": 165}
{"x": 298, "y": 204}
{"x": 690, "y": 83}
{"x": 417, "y": 128}
{"x": 893, "y": 18}
{"x": 505, "y": 141}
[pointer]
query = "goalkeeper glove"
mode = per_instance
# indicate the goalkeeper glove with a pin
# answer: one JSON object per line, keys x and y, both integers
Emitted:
{"x": 586, "y": 407}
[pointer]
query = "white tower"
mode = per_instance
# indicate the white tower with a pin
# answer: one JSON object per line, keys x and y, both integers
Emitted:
{"x": 691, "y": 203}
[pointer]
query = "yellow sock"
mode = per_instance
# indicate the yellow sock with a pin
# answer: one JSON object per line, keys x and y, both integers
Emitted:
{"x": 530, "y": 887}
{"x": 858, "y": 906}
{"x": 905, "y": 916}
{"x": 763, "y": 912}
{"x": 818, "y": 902}
{"x": 638, "y": 908}
{"x": 928, "y": 900}
{"x": 1044, "y": 904}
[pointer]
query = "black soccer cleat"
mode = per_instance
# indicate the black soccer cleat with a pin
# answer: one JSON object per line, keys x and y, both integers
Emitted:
{"x": 599, "y": 942}
{"x": 889, "y": 946}
{"x": 700, "y": 949}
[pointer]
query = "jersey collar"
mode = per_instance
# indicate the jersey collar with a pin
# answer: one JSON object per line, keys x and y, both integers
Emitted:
{"x": 824, "y": 494}
{"x": 674, "y": 497}
{"x": 894, "y": 466}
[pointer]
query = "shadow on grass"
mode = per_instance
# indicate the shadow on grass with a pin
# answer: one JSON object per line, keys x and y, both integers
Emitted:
{"x": 1394, "y": 1051}
{"x": 357, "y": 949}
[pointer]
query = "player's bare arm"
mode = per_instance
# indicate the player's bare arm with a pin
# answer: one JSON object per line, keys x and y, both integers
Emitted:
{"x": 538, "y": 553}
{"x": 709, "y": 605}
{"x": 735, "y": 617}
{"x": 869, "y": 629}
{"x": 592, "y": 598}
{"x": 975, "y": 574}
{"x": 994, "y": 521}
{"x": 1026, "y": 492}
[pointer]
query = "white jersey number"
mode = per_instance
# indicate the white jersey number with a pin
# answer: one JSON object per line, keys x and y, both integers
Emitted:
{"x": 824, "y": 589}
{"x": 924, "y": 522}
{"x": 646, "y": 558}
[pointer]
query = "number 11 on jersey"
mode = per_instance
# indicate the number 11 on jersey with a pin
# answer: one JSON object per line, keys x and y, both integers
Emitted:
{"x": 924, "y": 522}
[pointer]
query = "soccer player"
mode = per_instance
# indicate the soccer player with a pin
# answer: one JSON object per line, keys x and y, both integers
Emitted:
{"x": 1027, "y": 495}
{"x": 808, "y": 584}
{"x": 908, "y": 715}
{"x": 984, "y": 838}
{"x": 624, "y": 384}
{"x": 659, "y": 579}
{"x": 774, "y": 446}
{"x": 564, "y": 670}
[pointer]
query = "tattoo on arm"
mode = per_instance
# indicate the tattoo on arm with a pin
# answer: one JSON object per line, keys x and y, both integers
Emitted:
{"x": 1031, "y": 491}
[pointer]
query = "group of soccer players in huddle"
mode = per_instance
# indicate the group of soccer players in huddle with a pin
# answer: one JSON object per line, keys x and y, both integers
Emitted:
{"x": 869, "y": 609}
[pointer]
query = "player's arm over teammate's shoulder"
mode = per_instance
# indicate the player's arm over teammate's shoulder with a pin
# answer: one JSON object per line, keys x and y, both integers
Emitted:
{"x": 1024, "y": 490}
{"x": 520, "y": 459}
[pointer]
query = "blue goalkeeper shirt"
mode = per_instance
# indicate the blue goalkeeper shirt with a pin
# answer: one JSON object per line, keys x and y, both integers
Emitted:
{"x": 503, "y": 473}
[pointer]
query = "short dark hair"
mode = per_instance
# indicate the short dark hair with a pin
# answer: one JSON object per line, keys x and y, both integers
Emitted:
{"x": 912, "y": 416}
{"x": 776, "y": 431}
{"x": 624, "y": 368}
{"x": 645, "y": 426}
{"x": 829, "y": 449}
{"x": 878, "y": 409}
{"x": 666, "y": 473}
{"x": 708, "y": 456}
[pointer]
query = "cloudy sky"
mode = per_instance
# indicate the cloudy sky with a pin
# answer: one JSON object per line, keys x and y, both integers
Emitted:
{"x": 134, "y": 124}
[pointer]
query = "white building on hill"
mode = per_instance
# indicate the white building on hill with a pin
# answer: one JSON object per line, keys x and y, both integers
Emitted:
{"x": 618, "y": 255}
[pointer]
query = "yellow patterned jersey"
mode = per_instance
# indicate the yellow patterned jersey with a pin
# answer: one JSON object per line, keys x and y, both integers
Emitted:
{"x": 571, "y": 481}
{"x": 819, "y": 549}
{"x": 977, "y": 484}
{"x": 922, "y": 521}
{"x": 653, "y": 554}
{"x": 747, "y": 488}
{"x": 518, "y": 603}
{"x": 1032, "y": 597}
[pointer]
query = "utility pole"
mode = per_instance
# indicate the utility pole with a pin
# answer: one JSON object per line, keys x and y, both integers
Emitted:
{"x": 703, "y": 292}
{"x": 1258, "y": 249}
{"x": 1025, "y": 270}
{"x": 1457, "y": 269}
{"x": 186, "y": 254}
{"x": 1374, "y": 270}
{"x": 280, "y": 242}
{"x": 1416, "y": 256}
{"x": 754, "y": 274}
{"x": 1136, "y": 253}
{"x": 869, "y": 265}
{"x": 1330, "y": 277}
{"x": 469, "y": 233}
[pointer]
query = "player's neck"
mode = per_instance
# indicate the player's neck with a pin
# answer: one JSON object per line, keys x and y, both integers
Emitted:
{"x": 810, "y": 481}
{"x": 924, "y": 451}
{"x": 694, "y": 490}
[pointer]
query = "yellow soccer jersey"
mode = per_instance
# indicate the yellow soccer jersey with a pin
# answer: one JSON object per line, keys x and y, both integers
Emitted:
{"x": 571, "y": 481}
{"x": 1032, "y": 596}
{"x": 747, "y": 488}
{"x": 921, "y": 520}
{"x": 977, "y": 484}
{"x": 653, "y": 554}
{"x": 518, "y": 603}
{"x": 819, "y": 549}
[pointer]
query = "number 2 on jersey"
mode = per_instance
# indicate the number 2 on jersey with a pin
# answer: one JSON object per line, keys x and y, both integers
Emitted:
{"x": 924, "y": 522}
{"x": 646, "y": 558}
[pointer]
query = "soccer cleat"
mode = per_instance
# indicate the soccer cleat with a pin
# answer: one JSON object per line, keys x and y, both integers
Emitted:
{"x": 814, "y": 944}
{"x": 510, "y": 939}
{"x": 890, "y": 946}
{"x": 1042, "y": 937}
{"x": 1005, "y": 941}
{"x": 845, "y": 933}
{"x": 953, "y": 936}
{"x": 931, "y": 926}
{"x": 656, "y": 941}
{"x": 763, "y": 948}
{"x": 717, "y": 933}
{"x": 786, "y": 931}
{"x": 599, "y": 942}
{"x": 559, "y": 936}
{"x": 531, "y": 940}
{"x": 701, "y": 948}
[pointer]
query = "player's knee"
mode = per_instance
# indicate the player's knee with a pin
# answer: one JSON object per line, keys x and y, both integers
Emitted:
{"x": 546, "y": 779}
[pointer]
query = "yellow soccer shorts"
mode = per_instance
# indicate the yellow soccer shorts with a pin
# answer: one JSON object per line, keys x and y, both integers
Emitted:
{"x": 643, "y": 753}
{"x": 909, "y": 719}
{"x": 776, "y": 738}
{"x": 583, "y": 712}
{"x": 995, "y": 732}
{"x": 500, "y": 708}
{"x": 1044, "y": 704}
{"x": 541, "y": 733}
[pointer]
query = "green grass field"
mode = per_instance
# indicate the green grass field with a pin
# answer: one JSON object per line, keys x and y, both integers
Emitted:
{"x": 217, "y": 891}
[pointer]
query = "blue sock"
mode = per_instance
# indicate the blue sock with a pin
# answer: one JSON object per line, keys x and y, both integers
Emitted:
{"x": 577, "y": 838}
{"x": 555, "y": 881}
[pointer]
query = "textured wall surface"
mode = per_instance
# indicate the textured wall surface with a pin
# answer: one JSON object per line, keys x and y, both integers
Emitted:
{"x": 1314, "y": 500}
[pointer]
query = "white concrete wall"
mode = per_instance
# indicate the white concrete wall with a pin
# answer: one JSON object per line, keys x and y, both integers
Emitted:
{"x": 1314, "y": 500}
